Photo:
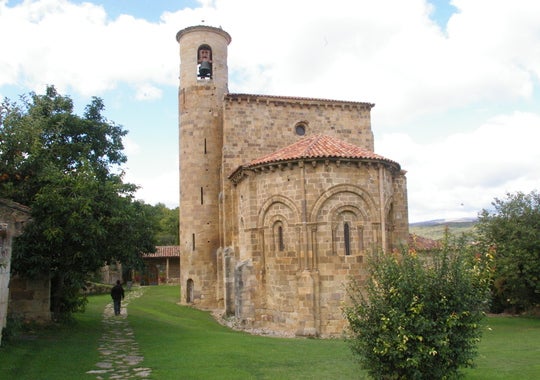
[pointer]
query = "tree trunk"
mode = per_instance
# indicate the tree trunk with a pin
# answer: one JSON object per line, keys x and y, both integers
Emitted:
{"x": 57, "y": 295}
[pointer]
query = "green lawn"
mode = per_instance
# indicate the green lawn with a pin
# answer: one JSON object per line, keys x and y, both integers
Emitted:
{"x": 65, "y": 352}
{"x": 180, "y": 342}
{"x": 510, "y": 349}
{"x": 183, "y": 343}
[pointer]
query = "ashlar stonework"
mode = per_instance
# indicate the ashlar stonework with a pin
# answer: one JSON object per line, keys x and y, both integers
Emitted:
{"x": 281, "y": 198}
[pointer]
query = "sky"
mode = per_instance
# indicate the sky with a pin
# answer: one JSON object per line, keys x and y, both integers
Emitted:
{"x": 456, "y": 84}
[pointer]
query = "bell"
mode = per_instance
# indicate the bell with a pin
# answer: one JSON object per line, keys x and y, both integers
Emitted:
{"x": 205, "y": 69}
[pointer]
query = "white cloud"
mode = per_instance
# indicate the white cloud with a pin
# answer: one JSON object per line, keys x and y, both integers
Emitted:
{"x": 159, "y": 187}
{"x": 76, "y": 48}
{"x": 131, "y": 147}
{"x": 464, "y": 172}
{"x": 354, "y": 50}
{"x": 148, "y": 92}
{"x": 358, "y": 50}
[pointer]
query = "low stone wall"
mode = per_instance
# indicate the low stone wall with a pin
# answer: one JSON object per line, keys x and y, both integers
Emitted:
{"x": 95, "y": 288}
{"x": 13, "y": 217}
{"x": 111, "y": 273}
{"x": 30, "y": 299}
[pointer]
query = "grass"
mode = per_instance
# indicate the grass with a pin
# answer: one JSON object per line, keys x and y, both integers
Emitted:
{"x": 180, "y": 340}
{"x": 183, "y": 343}
{"x": 510, "y": 349}
{"x": 57, "y": 352}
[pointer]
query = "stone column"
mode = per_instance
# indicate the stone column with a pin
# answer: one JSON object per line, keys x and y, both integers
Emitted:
{"x": 308, "y": 294}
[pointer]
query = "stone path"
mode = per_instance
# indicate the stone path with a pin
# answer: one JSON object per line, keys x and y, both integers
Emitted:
{"x": 119, "y": 353}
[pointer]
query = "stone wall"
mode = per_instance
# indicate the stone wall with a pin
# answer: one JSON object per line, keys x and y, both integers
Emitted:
{"x": 291, "y": 225}
{"x": 200, "y": 135}
{"x": 13, "y": 217}
{"x": 277, "y": 247}
{"x": 256, "y": 125}
{"x": 109, "y": 274}
{"x": 30, "y": 299}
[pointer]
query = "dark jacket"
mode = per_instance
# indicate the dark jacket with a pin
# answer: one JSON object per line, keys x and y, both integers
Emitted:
{"x": 117, "y": 292}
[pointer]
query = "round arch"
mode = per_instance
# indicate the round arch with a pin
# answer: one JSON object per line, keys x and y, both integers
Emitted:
{"x": 365, "y": 196}
{"x": 266, "y": 206}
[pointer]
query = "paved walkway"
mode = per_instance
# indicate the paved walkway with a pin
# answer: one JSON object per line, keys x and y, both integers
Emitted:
{"x": 118, "y": 350}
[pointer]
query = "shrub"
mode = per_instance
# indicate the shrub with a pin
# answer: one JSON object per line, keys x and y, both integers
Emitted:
{"x": 418, "y": 317}
{"x": 512, "y": 228}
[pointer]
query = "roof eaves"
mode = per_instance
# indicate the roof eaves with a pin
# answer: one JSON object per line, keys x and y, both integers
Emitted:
{"x": 276, "y": 98}
{"x": 241, "y": 171}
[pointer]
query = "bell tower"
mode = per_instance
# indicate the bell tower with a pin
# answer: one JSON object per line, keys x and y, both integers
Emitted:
{"x": 203, "y": 84}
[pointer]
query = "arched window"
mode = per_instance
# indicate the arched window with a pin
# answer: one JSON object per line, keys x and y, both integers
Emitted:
{"x": 347, "y": 238}
{"x": 281, "y": 243}
{"x": 361, "y": 238}
{"x": 300, "y": 128}
{"x": 278, "y": 236}
{"x": 204, "y": 62}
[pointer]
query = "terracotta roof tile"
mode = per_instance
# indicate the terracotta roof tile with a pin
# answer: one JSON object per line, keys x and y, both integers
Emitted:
{"x": 165, "y": 251}
{"x": 318, "y": 146}
{"x": 420, "y": 243}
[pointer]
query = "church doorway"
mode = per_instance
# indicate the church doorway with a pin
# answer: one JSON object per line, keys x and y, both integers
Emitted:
{"x": 189, "y": 291}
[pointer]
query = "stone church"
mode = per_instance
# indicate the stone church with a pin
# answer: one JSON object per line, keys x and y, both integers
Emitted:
{"x": 281, "y": 198}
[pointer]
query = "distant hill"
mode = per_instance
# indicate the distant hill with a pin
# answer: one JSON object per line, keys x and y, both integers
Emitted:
{"x": 435, "y": 229}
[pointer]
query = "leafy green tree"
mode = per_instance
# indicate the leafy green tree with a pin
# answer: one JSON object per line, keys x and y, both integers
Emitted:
{"x": 169, "y": 225}
{"x": 418, "y": 317}
{"x": 67, "y": 168}
{"x": 512, "y": 229}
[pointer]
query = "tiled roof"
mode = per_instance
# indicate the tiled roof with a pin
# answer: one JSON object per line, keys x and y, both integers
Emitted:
{"x": 318, "y": 146}
{"x": 420, "y": 243}
{"x": 165, "y": 251}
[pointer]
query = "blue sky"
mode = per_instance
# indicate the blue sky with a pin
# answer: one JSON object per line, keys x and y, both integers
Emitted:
{"x": 455, "y": 83}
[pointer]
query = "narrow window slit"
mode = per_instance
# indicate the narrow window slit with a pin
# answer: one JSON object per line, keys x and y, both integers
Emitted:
{"x": 347, "y": 238}
{"x": 280, "y": 239}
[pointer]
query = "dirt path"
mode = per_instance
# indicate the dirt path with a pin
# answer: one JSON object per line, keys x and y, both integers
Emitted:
{"x": 118, "y": 349}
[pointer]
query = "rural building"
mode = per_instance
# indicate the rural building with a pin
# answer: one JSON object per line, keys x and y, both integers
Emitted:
{"x": 161, "y": 267}
{"x": 281, "y": 197}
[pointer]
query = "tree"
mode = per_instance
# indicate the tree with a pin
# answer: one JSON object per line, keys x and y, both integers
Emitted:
{"x": 169, "y": 224}
{"x": 418, "y": 318}
{"x": 512, "y": 228}
{"x": 67, "y": 168}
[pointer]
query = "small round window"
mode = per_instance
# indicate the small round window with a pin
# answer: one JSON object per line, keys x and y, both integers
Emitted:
{"x": 300, "y": 129}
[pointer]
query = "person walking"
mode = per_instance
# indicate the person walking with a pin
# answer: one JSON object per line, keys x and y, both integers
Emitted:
{"x": 117, "y": 294}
